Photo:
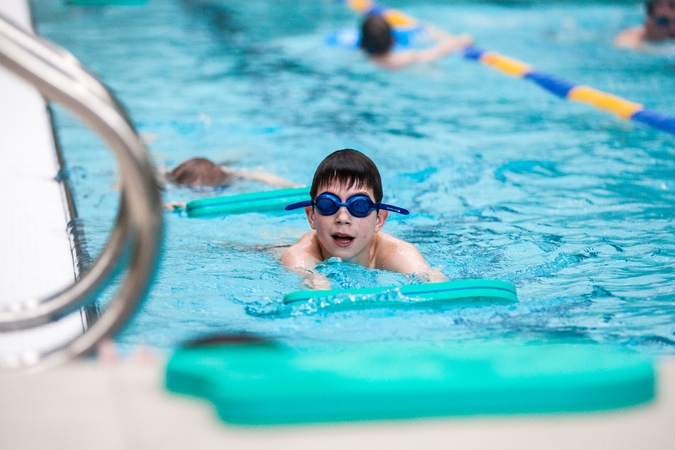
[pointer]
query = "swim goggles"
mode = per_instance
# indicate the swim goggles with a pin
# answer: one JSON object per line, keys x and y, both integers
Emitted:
{"x": 358, "y": 205}
{"x": 662, "y": 21}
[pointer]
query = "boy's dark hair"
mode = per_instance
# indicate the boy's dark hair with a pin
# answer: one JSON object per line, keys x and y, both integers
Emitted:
{"x": 651, "y": 4}
{"x": 199, "y": 172}
{"x": 350, "y": 168}
{"x": 376, "y": 36}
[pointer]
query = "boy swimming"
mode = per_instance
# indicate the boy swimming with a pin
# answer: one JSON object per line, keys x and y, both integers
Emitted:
{"x": 377, "y": 41}
{"x": 658, "y": 26}
{"x": 346, "y": 216}
{"x": 202, "y": 172}
{"x": 196, "y": 172}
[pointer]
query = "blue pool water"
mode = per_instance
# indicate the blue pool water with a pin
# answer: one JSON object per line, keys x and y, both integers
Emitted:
{"x": 504, "y": 180}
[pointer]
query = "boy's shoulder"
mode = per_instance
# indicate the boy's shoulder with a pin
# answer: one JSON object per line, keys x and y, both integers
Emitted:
{"x": 398, "y": 255}
{"x": 632, "y": 38}
{"x": 304, "y": 253}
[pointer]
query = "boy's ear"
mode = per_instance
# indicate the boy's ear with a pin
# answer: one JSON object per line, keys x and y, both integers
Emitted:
{"x": 381, "y": 218}
{"x": 309, "y": 210}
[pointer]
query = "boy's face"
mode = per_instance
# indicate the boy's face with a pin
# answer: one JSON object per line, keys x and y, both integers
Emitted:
{"x": 341, "y": 234}
{"x": 661, "y": 23}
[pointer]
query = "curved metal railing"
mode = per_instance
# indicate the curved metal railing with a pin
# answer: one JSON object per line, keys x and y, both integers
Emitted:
{"x": 137, "y": 231}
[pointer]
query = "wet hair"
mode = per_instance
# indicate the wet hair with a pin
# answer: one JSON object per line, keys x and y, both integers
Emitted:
{"x": 376, "y": 36}
{"x": 651, "y": 4}
{"x": 199, "y": 172}
{"x": 350, "y": 168}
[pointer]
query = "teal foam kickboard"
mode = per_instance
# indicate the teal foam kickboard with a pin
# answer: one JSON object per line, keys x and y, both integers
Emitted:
{"x": 428, "y": 294}
{"x": 265, "y": 201}
{"x": 263, "y": 384}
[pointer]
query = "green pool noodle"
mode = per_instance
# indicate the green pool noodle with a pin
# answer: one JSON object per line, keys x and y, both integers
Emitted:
{"x": 265, "y": 201}
{"x": 457, "y": 291}
{"x": 262, "y": 384}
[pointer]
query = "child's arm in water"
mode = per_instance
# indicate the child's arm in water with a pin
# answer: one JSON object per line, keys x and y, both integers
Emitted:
{"x": 447, "y": 43}
{"x": 633, "y": 38}
{"x": 174, "y": 206}
{"x": 390, "y": 254}
{"x": 263, "y": 177}
{"x": 302, "y": 257}
{"x": 400, "y": 256}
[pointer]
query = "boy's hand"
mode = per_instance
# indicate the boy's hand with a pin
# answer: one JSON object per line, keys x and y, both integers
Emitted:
{"x": 464, "y": 39}
{"x": 314, "y": 281}
{"x": 433, "y": 275}
{"x": 452, "y": 43}
{"x": 174, "y": 206}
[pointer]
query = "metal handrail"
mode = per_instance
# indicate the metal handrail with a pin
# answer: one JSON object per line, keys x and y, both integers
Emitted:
{"x": 52, "y": 54}
{"x": 138, "y": 228}
{"x": 48, "y": 59}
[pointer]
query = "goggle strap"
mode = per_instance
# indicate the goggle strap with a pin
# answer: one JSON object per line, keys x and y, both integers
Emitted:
{"x": 299, "y": 205}
{"x": 393, "y": 208}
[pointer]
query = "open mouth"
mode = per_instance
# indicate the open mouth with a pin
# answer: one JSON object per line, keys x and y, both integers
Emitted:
{"x": 342, "y": 240}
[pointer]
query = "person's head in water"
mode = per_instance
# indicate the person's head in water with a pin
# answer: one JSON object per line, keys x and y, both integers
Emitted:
{"x": 346, "y": 216}
{"x": 350, "y": 169}
{"x": 376, "y": 36}
{"x": 199, "y": 172}
{"x": 660, "y": 20}
{"x": 345, "y": 224}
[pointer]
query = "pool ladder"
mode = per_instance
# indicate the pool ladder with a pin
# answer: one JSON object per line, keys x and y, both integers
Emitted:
{"x": 134, "y": 242}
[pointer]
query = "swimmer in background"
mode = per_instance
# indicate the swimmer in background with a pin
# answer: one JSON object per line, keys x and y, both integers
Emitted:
{"x": 659, "y": 25}
{"x": 202, "y": 172}
{"x": 377, "y": 40}
{"x": 346, "y": 217}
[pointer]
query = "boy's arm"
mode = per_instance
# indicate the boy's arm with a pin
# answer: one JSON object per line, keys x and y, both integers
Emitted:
{"x": 174, "y": 206}
{"x": 299, "y": 258}
{"x": 632, "y": 38}
{"x": 433, "y": 275}
{"x": 403, "y": 257}
{"x": 446, "y": 44}
{"x": 264, "y": 177}
{"x": 312, "y": 280}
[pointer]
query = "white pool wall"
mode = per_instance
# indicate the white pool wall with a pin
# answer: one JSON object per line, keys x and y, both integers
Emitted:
{"x": 36, "y": 258}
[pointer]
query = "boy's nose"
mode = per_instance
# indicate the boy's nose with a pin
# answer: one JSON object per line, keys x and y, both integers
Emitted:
{"x": 343, "y": 216}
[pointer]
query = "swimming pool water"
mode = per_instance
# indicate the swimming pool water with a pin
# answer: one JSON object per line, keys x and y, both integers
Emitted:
{"x": 504, "y": 180}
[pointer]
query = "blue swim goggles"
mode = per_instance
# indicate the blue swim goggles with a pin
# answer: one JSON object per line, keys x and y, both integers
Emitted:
{"x": 663, "y": 21}
{"x": 358, "y": 205}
